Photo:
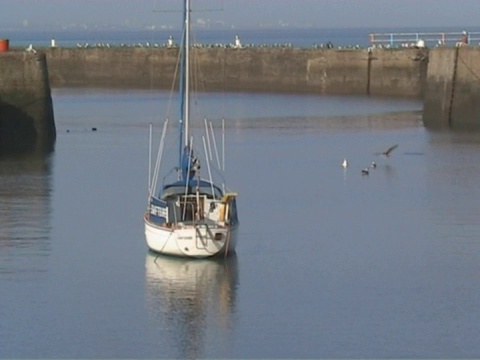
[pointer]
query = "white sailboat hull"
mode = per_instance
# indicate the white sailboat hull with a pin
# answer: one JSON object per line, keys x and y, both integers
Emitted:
{"x": 197, "y": 241}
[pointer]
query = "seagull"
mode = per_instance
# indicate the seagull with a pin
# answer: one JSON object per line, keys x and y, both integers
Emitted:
{"x": 374, "y": 164}
{"x": 345, "y": 163}
{"x": 30, "y": 49}
{"x": 389, "y": 150}
{"x": 365, "y": 171}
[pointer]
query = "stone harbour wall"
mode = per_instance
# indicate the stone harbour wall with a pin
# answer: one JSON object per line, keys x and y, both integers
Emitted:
{"x": 446, "y": 78}
{"x": 323, "y": 71}
{"x": 26, "y": 109}
{"x": 452, "y": 97}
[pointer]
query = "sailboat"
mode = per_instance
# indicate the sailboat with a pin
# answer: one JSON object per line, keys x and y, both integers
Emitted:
{"x": 191, "y": 215}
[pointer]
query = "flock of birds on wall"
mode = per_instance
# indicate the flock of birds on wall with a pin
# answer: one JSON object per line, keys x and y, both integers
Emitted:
{"x": 373, "y": 165}
{"x": 171, "y": 44}
{"x": 215, "y": 45}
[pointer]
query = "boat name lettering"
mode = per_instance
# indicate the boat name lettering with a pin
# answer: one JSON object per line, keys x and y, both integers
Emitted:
{"x": 159, "y": 211}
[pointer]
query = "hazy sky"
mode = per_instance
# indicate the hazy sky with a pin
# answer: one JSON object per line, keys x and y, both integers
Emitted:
{"x": 245, "y": 13}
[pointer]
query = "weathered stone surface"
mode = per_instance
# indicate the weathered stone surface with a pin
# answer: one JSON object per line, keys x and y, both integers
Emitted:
{"x": 324, "y": 71}
{"x": 452, "y": 97}
{"x": 26, "y": 110}
{"x": 448, "y": 79}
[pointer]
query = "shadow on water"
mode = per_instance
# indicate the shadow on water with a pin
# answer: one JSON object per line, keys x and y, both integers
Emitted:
{"x": 25, "y": 211}
{"x": 192, "y": 299}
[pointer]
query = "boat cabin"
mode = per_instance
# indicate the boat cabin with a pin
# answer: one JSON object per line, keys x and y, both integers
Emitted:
{"x": 199, "y": 202}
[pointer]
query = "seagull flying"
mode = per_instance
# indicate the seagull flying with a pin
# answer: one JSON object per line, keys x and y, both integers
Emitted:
{"x": 389, "y": 150}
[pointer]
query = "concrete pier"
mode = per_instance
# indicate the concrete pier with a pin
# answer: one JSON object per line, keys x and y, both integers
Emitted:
{"x": 452, "y": 97}
{"x": 26, "y": 110}
{"x": 396, "y": 72}
{"x": 447, "y": 78}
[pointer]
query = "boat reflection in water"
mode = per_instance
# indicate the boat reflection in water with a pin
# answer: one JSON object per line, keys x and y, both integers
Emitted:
{"x": 193, "y": 299}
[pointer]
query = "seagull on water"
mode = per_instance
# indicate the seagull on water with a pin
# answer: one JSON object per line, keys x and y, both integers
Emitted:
{"x": 373, "y": 165}
{"x": 365, "y": 171}
{"x": 345, "y": 163}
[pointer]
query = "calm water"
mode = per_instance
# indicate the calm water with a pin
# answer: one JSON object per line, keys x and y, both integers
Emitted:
{"x": 330, "y": 263}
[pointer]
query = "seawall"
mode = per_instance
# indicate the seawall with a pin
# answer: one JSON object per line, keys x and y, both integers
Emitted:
{"x": 396, "y": 72}
{"x": 26, "y": 110}
{"x": 447, "y": 78}
{"x": 452, "y": 97}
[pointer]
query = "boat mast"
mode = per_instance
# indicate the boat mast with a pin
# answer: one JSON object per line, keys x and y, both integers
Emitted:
{"x": 187, "y": 71}
{"x": 183, "y": 123}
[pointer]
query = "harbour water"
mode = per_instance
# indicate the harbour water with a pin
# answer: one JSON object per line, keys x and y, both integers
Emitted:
{"x": 330, "y": 263}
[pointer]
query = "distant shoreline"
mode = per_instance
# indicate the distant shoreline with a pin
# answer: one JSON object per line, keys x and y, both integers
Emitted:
{"x": 118, "y": 28}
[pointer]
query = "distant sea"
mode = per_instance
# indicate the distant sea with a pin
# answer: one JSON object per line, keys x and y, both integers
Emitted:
{"x": 295, "y": 37}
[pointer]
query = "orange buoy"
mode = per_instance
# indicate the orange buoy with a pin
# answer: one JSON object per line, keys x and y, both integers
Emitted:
{"x": 3, "y": 45}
